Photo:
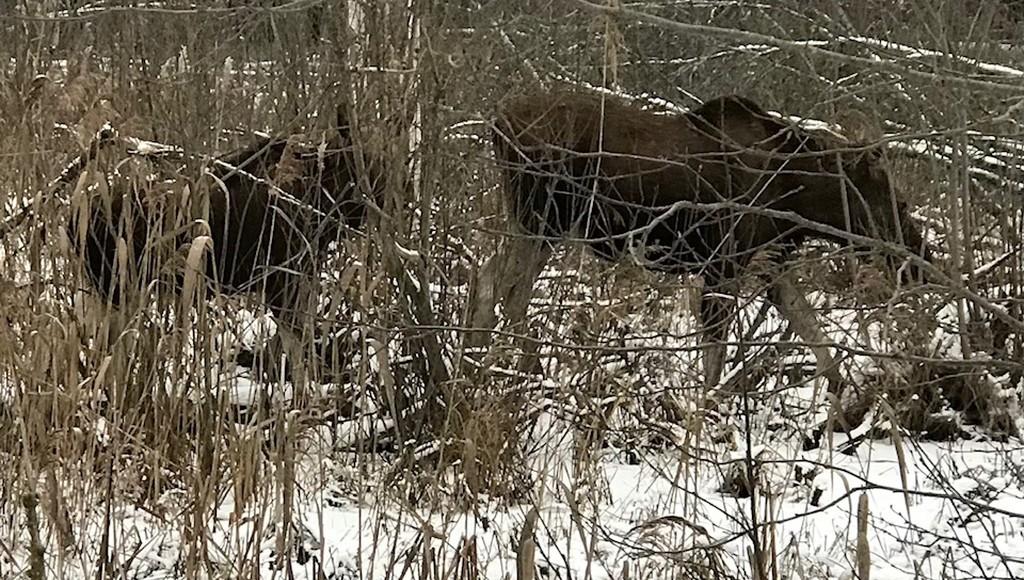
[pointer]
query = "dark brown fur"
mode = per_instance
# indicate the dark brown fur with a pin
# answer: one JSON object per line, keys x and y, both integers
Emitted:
{"x": 261, "y": 242}
{"x": 629, "y": 182}
{"x": 729, "y": 150}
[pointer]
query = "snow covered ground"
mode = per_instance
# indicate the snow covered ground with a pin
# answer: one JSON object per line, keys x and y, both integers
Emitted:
{"x": 935, "y": 509}
{"x": 944, "y": 511}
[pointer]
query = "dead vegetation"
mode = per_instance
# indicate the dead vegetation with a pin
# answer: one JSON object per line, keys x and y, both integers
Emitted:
{"x": 390, "y": 392}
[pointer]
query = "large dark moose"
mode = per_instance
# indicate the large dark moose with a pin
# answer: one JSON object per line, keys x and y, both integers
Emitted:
{"x": 698, "y": 193}
{"x": 272, "y": 209}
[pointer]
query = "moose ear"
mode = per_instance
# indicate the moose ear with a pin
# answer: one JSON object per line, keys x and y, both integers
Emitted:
{"x": 875, "y": 161}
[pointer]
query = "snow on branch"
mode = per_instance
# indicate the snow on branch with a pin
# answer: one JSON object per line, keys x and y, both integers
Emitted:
{"x": 785, "y": 45}
{"x": 913, "y": 52}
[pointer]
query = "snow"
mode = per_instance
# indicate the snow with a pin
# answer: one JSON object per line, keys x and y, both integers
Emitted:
{"x": 937, "y": 510}
{"x": 949, "y": 509}
{"x": 916, "y": 52}
{"x": 635, "y": 516}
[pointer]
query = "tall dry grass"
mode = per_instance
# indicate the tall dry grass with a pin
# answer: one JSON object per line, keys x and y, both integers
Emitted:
{"x": 103, "y": 408}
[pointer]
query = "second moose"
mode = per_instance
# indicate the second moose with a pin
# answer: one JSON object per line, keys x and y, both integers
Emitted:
{"x": 698, "y": 193}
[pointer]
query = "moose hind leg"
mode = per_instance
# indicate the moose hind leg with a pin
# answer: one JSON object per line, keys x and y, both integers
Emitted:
{"x": 795, "y": 308}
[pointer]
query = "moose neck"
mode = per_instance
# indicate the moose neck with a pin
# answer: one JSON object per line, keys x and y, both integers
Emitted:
{"x": 818, "y": 200}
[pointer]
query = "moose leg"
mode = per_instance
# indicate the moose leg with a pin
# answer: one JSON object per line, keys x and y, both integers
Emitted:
{"x": 507, "y": 279}
{"x": 715, "y": 314}
{"x": 283, "y": 292}
{"x": 795, "y": 308}
{"x": 527, "y": 261}
{"x": 524, "y": 270}
{"x": 481, "y": 316}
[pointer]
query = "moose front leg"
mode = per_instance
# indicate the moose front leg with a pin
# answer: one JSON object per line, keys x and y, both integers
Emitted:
{"x": 506, "y": 279}
{"x": 292, "y": 301}
{"x": 798, "y": 312}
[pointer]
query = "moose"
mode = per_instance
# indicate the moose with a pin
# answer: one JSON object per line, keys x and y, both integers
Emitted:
{"x": 270, "y": 207}
{"x": 697, "y": 193}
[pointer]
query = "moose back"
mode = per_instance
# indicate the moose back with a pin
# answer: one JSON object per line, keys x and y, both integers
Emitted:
{"x": 682, "y": 193}
{"x": 700, "y": 193}
{"x": 270, "y": 206}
